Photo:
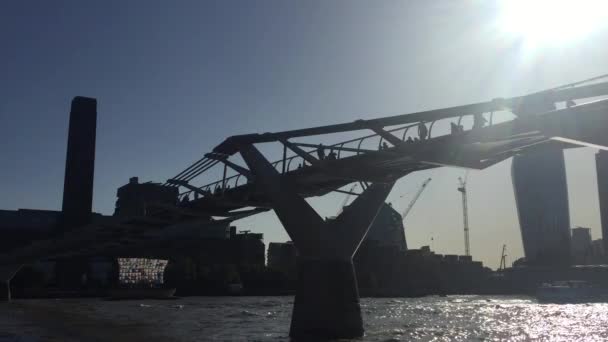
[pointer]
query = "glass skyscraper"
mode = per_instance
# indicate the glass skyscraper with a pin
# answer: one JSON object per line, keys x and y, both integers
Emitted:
{"x": 601, "y": 164}
{"x": 541, "y": 195}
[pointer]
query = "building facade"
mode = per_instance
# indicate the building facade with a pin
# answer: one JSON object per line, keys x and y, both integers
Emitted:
{"x": 387, "y": 229}
{"x": 541, "y": 196}
{"x": 136, "y": 199}
{"x": 581, "y": 245}
{"x": 601, "y": 166}
{"x": 597, "y": 249}
{"x": 282, "y": 256}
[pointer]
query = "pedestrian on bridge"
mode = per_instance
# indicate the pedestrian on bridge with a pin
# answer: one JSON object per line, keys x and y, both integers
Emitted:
{"x": 422, "y": 130}
{"x": 321, "y": 152}
{"x": 479, "y": 121}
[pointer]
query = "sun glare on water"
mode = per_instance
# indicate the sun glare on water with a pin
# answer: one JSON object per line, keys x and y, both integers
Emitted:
{"x": 553, "y": 22}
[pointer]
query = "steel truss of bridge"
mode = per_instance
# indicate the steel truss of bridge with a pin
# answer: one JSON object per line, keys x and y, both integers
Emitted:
{"x": 327, "y": 300}
{"x": 392, "y": 156}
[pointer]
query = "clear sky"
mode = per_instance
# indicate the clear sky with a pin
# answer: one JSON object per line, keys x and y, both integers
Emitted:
{"x": 174, "y": 78}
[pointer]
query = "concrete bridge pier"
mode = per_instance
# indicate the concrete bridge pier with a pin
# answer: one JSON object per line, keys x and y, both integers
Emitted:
{"x": 327, "y": 297}
{"x": 327, "y": 301}
{"x": 5, "y": 289}
{"x": 6, "y": 274}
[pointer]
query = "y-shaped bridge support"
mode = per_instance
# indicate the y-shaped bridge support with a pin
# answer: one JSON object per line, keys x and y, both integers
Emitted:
{"x": 327, "y": 297}
{"x": 6, "y": 274}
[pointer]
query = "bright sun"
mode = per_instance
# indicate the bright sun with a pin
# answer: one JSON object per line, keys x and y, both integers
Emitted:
{"x": 552, "y": 21}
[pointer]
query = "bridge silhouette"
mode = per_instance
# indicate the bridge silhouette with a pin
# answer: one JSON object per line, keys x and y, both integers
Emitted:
{"x": 472, "y": 148}
{"x": 327, "y": 299}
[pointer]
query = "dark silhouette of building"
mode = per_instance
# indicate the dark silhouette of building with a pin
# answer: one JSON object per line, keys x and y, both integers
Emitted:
{"x": 601, "y": 165}
{"x": 597, "y": 250}
{"x": 282, "y": 257}
{"x": 80, "y": 163}
{"x": 385, "y": 267}
{"x": 541, "y": 196}
{"x": 135, "y": 199}
{"x": 581, "y": 245}
{"x": 209, "y": 265}
{"x": 282, "y": 262}
{"x": 387, "y": 229}
{"x": 23, "y": 225}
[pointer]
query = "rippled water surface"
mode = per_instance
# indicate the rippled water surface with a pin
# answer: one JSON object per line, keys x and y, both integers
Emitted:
{"x": 454, "y": 318}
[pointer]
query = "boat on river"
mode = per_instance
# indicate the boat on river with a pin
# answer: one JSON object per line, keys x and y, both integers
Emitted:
{"x": 571, "y": 291}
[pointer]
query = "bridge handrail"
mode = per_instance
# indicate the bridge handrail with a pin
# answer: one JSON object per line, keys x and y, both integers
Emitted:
{"x": 288, "y": 160}
{"x": 228, "y": 146}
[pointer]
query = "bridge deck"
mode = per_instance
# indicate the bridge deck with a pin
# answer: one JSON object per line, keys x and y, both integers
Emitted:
{"x": 476, "y": 148}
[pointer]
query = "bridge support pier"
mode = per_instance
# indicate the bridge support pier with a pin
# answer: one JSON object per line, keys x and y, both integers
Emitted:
{"x": 6, "y": 274}
{"x": 327, "y": 297}
{"x": 327, "y": 300}
{"x": 6, "y": 294}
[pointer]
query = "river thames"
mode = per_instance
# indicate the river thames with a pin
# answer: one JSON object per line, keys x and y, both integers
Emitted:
{"x": 452, "y": 318}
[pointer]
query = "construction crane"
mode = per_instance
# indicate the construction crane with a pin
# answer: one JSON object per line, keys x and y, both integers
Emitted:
{"x": 465, "y": 212}
{"x": 503, "y": 259}
{"x": 413, "y": 201}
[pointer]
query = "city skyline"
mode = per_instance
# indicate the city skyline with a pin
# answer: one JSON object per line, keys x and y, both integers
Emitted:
{"x": 251, "y": 75}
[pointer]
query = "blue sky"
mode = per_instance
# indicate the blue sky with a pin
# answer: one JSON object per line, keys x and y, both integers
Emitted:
{"x": 173, "y": 79}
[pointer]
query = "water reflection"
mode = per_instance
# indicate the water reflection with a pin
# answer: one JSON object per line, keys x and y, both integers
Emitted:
{"x": 454, "y": 318}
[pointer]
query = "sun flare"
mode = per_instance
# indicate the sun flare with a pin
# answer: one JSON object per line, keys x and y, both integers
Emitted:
{"x": 553, "y": 21}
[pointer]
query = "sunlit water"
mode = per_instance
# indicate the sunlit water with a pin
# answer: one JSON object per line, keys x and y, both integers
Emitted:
{"x": 453, "y": 318}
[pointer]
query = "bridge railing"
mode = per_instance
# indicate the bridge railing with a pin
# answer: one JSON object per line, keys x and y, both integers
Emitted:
{"x": 220, "y": 186}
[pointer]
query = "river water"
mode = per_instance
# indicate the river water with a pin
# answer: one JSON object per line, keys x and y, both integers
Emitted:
{"x": 452, "y": 318}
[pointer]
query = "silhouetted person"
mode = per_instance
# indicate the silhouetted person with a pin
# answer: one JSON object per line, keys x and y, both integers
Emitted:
{"x": 332, "y": 155}
{"x": 384, "y": 145}
{"x": 422, "y": 130}
{"x": 453, "y": 128}
{"x": 195, "y": 195}
{"x": 321, "y": 152}
{"x": 479, "y": 121}
{"x": 409, "y": 140}
{"x": 185, "y": 199}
